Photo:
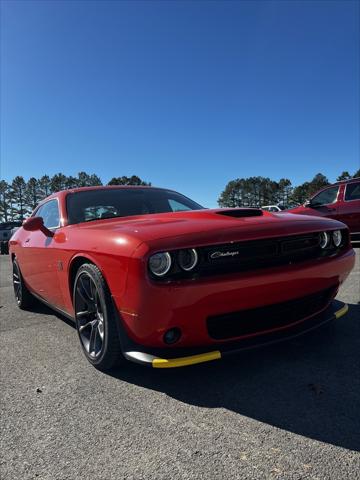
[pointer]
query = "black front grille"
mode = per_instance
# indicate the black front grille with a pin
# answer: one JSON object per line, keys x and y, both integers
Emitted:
{"x": 240, "y": 256}
{"x": 258, "y": 320}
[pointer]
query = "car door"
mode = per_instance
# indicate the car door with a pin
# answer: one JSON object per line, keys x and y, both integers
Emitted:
{"x": 349, "y": 206}
{"x": 39, "y": 263}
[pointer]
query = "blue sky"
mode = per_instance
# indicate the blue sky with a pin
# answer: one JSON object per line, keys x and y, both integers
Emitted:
{"x": 187, "y": 95}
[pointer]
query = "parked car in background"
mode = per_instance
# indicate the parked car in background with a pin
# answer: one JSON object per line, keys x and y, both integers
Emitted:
{"x": 150, "y": 276}
{"x": 340, "y": 201}
{"x": 273, "y": 208}
{"x": 6, "y": 231}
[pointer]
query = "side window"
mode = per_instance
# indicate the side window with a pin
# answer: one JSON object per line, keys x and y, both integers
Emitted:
{"x": 326, "y": 196}
{"x": 177, "y": 206}
{"x": 352, "y": 191}
{"x": 50, "y": 214}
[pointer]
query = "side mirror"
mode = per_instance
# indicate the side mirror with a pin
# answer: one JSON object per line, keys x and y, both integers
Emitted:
{"x": 33, "y": 224}
{"x": 307, "y": 203}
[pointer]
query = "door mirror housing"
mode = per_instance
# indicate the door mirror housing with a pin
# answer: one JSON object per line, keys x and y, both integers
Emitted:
{"x": 32, "y": 224}
{"x": 312, "y": 204}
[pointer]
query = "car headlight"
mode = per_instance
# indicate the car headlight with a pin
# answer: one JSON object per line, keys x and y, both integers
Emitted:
{"x": 188, "y": 259}
{"x": 337, "y": 237}
{"x": 160, "y": 263}
{"x": 324, "y": 239}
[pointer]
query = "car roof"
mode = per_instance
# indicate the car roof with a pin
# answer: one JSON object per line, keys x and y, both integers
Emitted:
{"x": 350, "y": 180}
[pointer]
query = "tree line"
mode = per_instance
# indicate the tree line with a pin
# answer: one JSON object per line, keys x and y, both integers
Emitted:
{"x": 259, "y": 191}
{"x": 19, "y": 198}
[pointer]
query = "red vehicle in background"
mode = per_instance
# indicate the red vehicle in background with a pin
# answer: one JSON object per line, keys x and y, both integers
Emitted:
{"x": 150, "y": 276}
{"x": 340, "y": 201}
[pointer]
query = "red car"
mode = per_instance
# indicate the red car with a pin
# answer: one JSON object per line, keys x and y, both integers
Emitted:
{"x": 149, "y": 275}
{"x": 340, "y": 201}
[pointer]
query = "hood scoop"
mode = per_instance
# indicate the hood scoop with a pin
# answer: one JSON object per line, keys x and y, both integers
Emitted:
{"x": 241, "y": 212}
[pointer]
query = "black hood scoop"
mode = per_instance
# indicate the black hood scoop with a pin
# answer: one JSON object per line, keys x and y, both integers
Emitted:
{"x": 241, "y": 212}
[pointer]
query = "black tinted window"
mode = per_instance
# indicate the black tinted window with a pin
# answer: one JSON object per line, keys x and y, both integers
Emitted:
{"x": 122, "y": 202}
{"x": 49, "y": 213}
{"x": 326, "y": 196}
{"x": 352, "y": 191}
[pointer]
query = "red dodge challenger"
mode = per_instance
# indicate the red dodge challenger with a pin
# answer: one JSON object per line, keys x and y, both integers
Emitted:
{"x": 151, "y": 276}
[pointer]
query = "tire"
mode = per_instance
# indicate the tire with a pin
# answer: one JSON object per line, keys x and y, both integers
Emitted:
{"x": 23, "y": 297}
{"x": 96, "y": 319}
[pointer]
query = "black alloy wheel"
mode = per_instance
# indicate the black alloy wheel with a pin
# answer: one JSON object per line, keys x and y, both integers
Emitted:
{"x": 23, "y": 297}
{"x": 95, "y": 318}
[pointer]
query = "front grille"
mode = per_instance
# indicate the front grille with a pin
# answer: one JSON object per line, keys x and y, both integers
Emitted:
{"x": 255, "y": 254}
{"x": 272, "y": 317}
{"x": 240, "y": 256}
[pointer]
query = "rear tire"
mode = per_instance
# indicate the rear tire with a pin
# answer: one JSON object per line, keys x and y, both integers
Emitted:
{"x": 96, "y": 319}
{"x": 23, "y": 297}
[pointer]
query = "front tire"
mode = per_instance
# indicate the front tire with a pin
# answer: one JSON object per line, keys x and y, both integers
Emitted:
{"x": 23, "y": 297}
{"x": 96, "y": 318}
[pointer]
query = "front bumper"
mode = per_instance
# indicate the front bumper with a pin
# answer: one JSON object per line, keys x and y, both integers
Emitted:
{"x": 148, "y": 310}
{"x": 180, "y": 357}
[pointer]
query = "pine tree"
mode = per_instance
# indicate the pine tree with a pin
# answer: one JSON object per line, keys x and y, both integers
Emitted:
{"x": 58, "y": 182}
{"x": 44, "y": 184}
{"x": 32, "y": 194}
{"x": 133, "y": 180}
{"x": 4, "y": 201}
{"x": 18, "y": 194}
{"x": 344, "y": 176}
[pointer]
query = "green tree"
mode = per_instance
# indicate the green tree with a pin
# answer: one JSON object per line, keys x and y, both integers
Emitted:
{"x": 4, "y": 201}
{"x": 317, "y": 183}
{"x": 344, "y": 176}
{"x": 18, "y": 194}
{"x": 300, "y": 193}
{"x": 249, "y": 192}
{"x": 86, "y": 180}
{"x": 58, "y": 182}
{"x": 232, "y": 195}
{"x": 133, "y": 180}
{"x": 44, "y": 184}
{"x": 72, "y": 182}
{"x": 285, "y": 191}
{"x": 356, "y": 174}
{"x": 307, "y": 189}
{"x": 32, "y": 193}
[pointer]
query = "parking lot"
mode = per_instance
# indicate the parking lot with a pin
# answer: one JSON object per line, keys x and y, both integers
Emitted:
{"x": 289, "y": 411}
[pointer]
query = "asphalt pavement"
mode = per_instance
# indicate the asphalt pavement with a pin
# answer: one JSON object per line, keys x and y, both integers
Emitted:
{"x": 290, "y": 411}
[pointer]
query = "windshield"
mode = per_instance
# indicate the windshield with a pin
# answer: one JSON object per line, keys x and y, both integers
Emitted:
{"x": 122, "y": 202}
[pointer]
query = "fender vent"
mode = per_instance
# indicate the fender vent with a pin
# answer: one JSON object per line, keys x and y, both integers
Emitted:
{"x": 241, "y": 212}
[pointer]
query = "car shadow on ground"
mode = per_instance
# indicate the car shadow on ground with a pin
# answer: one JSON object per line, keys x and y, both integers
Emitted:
{"x": 43, "y": 309}
{"x": 309, "y": 386}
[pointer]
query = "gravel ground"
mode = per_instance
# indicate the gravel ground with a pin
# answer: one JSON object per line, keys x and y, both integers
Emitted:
{"x": 285, "y": 412}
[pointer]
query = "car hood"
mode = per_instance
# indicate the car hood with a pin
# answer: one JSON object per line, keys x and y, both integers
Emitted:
{"x": 191, "y": 228}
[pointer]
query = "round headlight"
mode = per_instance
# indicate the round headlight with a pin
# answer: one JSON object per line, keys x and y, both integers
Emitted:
{"x": 337, "y": 237}
{"x": 160, "y": 263}
{"x": 324, "y": 239}
{"x": 187, "y": 259}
